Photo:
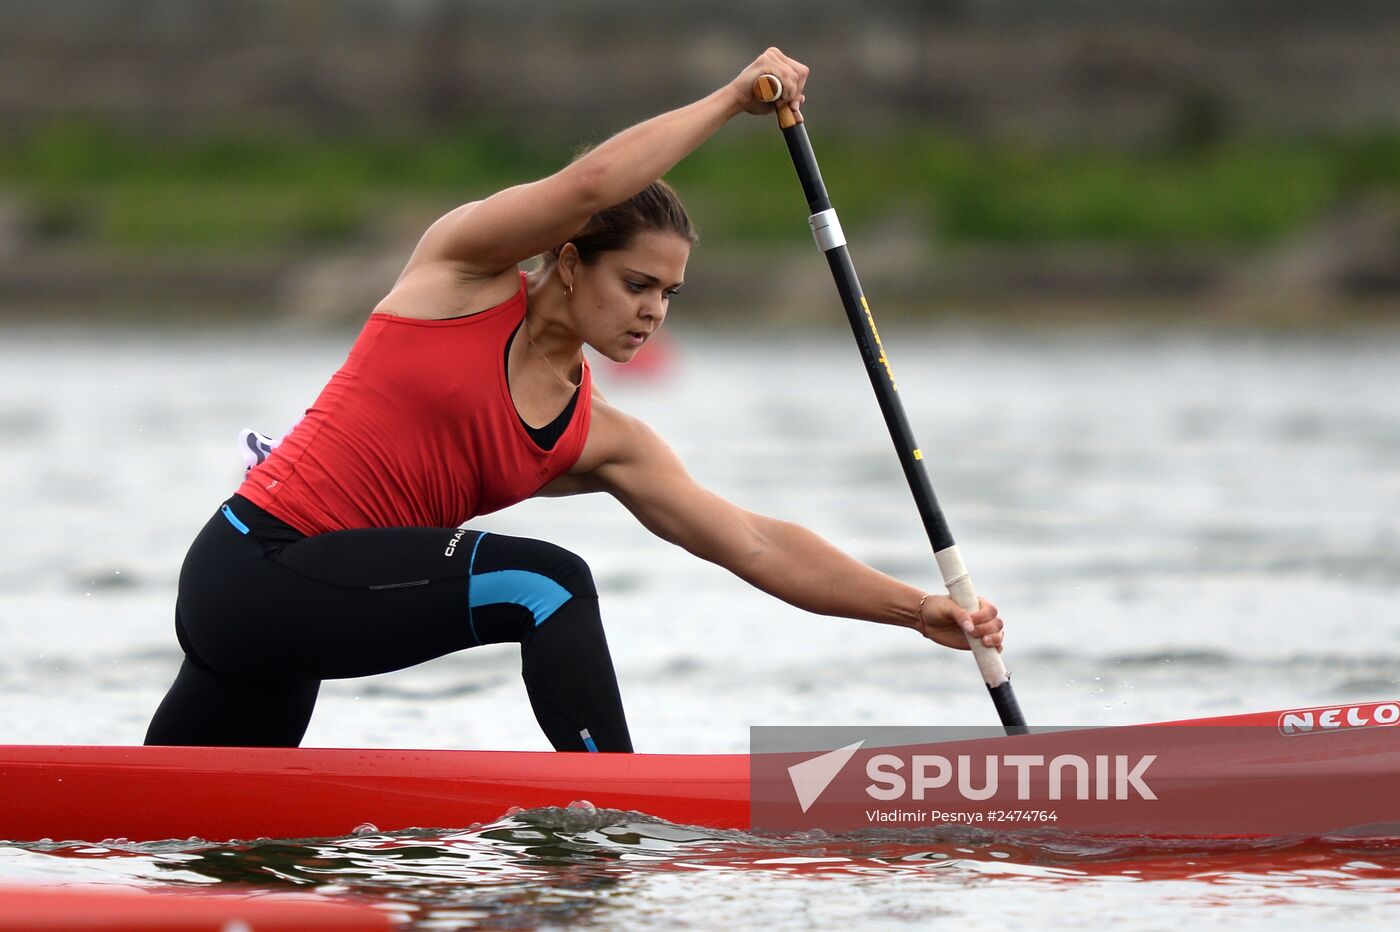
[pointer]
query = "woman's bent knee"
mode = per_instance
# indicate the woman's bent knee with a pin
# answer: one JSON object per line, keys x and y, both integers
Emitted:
{"x": 540, "y": 558}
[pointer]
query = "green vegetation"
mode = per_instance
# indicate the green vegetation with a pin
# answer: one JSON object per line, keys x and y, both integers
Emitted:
{"x": 90, "y": 184}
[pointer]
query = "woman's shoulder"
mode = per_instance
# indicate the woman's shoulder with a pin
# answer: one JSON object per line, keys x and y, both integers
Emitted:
{"x": 440, "y": 290}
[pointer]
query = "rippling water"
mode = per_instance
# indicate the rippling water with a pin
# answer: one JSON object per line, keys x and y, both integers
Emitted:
{"x": 586, "y": 866}
{"x": 1174, "y": 524}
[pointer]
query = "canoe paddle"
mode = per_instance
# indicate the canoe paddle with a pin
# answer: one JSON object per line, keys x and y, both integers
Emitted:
{"x": 832, "y": 242}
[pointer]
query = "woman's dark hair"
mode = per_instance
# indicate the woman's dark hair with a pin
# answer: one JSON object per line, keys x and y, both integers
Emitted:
{"x": 655, "y": 208}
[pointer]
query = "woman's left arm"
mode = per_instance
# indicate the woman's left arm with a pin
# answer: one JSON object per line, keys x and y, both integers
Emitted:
{"x": 630, "y": 461}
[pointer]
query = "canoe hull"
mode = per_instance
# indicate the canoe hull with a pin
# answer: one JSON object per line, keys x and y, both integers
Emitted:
{"x": 139, "y": 793}
{"x": 1220, "y": 777}
{"x": 107, "y": 908}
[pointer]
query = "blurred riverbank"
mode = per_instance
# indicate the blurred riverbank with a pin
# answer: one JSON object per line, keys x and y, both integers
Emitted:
{"x": 313, "y": 229}
{"x": 1215, "y": 161}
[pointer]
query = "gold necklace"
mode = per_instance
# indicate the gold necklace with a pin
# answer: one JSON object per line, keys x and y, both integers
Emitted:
{"x": 550, "y": 366}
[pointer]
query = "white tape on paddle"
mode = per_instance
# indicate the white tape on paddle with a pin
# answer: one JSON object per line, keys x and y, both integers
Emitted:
{"x": 826, "y": 229}
{"x": 956, "y": 578}
{"x": 959, "y": 583}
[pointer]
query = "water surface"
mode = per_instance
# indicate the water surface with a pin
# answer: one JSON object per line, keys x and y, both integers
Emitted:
{"x": 1174, "y": 524}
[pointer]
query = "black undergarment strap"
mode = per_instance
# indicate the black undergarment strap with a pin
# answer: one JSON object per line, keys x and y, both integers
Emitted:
{"x": 547, "y": 436}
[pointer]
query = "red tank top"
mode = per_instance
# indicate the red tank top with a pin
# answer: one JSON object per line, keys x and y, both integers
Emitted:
{"x": 416, "y": 429}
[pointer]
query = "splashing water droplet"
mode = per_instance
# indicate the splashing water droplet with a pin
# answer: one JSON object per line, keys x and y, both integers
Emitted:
{"x": 366, "y": 828}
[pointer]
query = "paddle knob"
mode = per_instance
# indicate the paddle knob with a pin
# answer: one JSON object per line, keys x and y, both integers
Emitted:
{"x": 768, "y": 88}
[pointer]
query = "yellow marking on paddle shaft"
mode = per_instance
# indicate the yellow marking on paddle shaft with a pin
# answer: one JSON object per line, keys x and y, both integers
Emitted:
{"x": 918, "y": 454}
{"x": 870, "y": 319}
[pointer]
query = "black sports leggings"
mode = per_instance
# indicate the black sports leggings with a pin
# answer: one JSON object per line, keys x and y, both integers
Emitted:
{"x": 265, "y": 613}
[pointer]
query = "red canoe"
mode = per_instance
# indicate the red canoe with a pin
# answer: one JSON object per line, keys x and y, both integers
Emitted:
{"x": 144, "y": 794}
{"x": 139, "y": 793}
{"x": 153, "y": 909}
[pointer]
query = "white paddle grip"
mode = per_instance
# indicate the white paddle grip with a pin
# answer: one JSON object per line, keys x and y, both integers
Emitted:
{"x": 959, "y": 583}
{"x": 826, "y": 230}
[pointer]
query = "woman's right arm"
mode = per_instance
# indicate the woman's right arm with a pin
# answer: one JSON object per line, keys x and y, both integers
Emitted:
{"x": 629, "y": 460}
{"x": 492, "y": 236}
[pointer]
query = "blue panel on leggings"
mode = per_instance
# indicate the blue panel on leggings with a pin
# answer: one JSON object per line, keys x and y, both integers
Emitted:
{"x": 233, "y": 519}
{"x": 540, "y": 594}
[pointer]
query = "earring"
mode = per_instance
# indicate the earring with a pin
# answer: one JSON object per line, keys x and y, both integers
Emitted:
{"x": 569, "y": 290}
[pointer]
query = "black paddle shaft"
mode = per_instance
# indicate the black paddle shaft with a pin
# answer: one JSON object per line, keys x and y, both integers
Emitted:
{"x": 877, "y": 364}
{"x": 831, "y": 241}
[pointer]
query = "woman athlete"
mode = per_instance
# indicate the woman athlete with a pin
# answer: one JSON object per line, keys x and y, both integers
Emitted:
{"x": 467, "y": 391}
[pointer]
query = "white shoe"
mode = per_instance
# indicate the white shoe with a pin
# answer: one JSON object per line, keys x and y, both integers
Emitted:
{"x": 255, "y": 447}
